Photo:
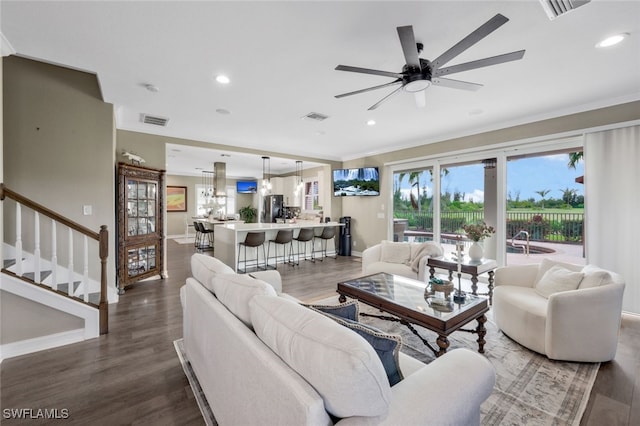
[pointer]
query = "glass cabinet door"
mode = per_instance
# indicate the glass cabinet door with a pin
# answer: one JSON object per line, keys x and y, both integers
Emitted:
{"x": 141, "y": 207}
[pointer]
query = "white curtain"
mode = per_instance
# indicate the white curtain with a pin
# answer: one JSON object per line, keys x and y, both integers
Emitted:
{"x": 612, "y": 210}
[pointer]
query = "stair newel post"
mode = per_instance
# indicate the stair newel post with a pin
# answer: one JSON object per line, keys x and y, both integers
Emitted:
{"x": 18, "y": 239}
{"x": 36, "y": 250}
{"x": 54, "y": 256}
{"x": 85, "y": 267}
{"x": 70, "y": 264}
{"x": 103, "y": 243}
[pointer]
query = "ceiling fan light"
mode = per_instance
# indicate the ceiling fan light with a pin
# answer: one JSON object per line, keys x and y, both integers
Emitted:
{"x": 416, "y": 85}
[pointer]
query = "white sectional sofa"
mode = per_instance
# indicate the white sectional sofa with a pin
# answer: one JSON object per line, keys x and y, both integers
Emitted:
{"x": 262, "y": 358}
{"x": 400, "y": 258}
{"x": 561, "y": 310}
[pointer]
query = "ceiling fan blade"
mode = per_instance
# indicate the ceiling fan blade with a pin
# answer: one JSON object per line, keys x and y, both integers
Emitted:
{"x": 480, "y": 63}
{"x": 421, "y": 98}
{"x": 484, "y": 30}
{"x": 455, "y": 84}
{"x": 368, "y": 71}
{"x": 368, "y": 89}
{"x": 408, "y": 43}
{"x": 377, "y": 104}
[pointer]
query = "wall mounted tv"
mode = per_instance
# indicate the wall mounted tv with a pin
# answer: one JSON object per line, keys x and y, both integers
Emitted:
{"x": 246, "y": 187}
{"x": 358, "y": 181}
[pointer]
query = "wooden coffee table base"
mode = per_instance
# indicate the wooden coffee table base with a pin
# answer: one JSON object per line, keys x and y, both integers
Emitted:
{"x": 442, "y": 341}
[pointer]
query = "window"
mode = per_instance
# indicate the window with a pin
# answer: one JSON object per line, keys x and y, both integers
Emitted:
{"x": 311, "y": 196}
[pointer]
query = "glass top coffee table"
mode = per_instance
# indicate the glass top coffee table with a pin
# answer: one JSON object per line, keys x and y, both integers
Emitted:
{"x": 405, "y": 300}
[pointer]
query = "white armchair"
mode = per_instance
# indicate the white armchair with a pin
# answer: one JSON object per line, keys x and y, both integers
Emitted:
{"x": 535, "y": 306}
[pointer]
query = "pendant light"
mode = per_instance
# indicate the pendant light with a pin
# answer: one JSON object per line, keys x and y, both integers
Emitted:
{"x": 266, "y": 175}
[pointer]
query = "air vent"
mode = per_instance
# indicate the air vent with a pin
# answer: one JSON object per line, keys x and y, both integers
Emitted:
{"x": 316, "y": 116}
{"x": 555, "y": 8}
{"x": 155, "y": 120}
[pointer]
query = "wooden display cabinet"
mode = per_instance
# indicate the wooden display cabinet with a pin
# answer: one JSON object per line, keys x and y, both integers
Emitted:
{"x": 140, "y": 220}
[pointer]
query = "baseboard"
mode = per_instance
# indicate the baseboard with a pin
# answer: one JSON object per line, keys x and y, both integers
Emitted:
{"x": 23, "y": 347}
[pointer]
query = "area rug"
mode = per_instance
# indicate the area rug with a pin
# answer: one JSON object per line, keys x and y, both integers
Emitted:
{"x": 530, "y": 389}
{"x": 185, "y": 240}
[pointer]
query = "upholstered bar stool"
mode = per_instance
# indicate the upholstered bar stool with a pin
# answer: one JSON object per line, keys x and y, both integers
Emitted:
{"x": 283, "y": 237}
{"x": 253, "y": 239}
{"x": 328, "y": 233}
{"x": 197, "y": 241}
{"x": 304, "y": 236}
{"x": 206, "y": 237}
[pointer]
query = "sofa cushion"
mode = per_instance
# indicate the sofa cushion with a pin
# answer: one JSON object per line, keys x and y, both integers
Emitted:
{"x": 521, "y": 314}
{"x": 547, "y": 264}
{"x": 594, "y": 277}
{"x": 204, "y": 267}
{"x": 347, "y": 310}
{"x": 342, "y": 367}
{"x": 391, "y": 268}
{"x": 392, "y": 252}
{"x": 558, "y": 279}
{"x": 235, "y": 291}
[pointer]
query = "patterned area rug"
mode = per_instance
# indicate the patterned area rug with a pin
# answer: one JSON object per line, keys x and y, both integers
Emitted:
{"x": 530, "y": 389}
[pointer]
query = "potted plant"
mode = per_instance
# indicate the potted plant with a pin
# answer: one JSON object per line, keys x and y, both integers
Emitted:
{"x": 476, "y": 233}
{"x": 248, "y": 214}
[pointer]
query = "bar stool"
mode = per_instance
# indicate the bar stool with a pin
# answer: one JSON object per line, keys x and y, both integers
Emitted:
{"x": 253, "y": 239}
{"x": 198, "y": 235}
{"x": 283, "y": 237}
{"x": 304, "y": 236}
{"x": 204, "y": 232}
{"x": 328, "y": 233}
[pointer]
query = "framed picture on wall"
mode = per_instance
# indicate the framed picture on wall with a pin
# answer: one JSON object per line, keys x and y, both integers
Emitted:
{"x": 176, "y": 198}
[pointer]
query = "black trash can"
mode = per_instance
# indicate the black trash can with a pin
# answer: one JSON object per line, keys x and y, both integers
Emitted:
{"x": 344, "y": 247}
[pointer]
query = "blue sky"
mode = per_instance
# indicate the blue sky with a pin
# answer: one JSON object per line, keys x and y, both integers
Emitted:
{"x": 526, "y": 175}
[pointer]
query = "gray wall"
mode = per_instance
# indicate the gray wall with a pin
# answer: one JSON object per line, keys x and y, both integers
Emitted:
{"x": 58, "y": 143}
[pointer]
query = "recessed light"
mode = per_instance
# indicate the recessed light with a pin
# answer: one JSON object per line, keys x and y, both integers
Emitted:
{"x": 223, "y": 111}
{"x": 222, "y": 79}
{"x": 612, "y": 41}
{"x": 371, "y": 123}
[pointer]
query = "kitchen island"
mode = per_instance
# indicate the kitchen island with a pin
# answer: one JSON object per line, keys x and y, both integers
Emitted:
{"x": 227, "y": 237}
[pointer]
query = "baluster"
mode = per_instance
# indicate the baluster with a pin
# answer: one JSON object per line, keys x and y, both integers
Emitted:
{"x": 18, "y": 240}
{"x": 36, "y": 250}
{"x": 70, "y": 265}
{"x": 85, "y": 278}
{"x": 54, "y": 256}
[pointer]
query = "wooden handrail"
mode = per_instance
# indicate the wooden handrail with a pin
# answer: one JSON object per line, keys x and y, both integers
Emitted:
{"x": 102, "y": 237}
{"x": 6, "y": 192}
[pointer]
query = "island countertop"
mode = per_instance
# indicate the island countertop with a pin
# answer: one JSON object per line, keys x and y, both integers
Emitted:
{"x": 245, "y": 227}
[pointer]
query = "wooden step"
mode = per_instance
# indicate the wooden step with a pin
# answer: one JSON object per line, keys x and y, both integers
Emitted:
{"x": 64, "y": 287}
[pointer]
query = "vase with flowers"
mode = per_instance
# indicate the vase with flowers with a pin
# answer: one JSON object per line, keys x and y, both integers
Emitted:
{"x": 477, "y": 232}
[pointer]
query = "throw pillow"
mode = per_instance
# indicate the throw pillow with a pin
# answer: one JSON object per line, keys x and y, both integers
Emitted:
{"x": 387, "y": 346}
{"x": 594, "y": 277}
{"x": 235, "y": 291}
{"x": 392, "y": 252}
{"x": 547, "y": 264}
{"x": 204, "y": 267}
{"x": 558, "y": 279}
{"x": 340, "y": 365}
{"x": 348, "y": 310}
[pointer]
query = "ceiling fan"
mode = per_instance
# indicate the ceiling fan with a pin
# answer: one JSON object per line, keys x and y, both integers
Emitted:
{"x": 418, "y": 74}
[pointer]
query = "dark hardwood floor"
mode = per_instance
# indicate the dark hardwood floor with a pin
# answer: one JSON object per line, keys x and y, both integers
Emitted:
{"x": 133, "y": 376}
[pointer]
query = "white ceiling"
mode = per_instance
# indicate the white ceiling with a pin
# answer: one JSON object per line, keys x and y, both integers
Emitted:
{"x": 280, "y": 57}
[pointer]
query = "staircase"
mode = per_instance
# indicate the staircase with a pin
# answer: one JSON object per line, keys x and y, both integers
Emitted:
{"x": 72, "y": 280}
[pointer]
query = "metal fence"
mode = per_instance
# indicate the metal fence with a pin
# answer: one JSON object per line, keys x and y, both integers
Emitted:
{"x": 541, "y": 226}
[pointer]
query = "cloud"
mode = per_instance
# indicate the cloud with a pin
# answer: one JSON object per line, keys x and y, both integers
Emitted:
{"x": 477, "y": 196}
